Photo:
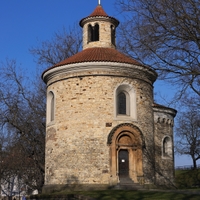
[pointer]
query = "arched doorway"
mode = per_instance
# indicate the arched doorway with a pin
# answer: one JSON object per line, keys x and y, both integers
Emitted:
{"x": 126, "y": 144}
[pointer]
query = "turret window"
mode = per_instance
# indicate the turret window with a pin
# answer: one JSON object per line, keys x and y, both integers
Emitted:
{"x": 93, "y": 33}
{"x": 90, "y": 31}
{"x": 112, "y": 34}
{"x": 96, "y": 33}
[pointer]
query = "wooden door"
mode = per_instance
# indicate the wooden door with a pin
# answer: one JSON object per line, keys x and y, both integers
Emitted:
{"x": 123, "y": 160}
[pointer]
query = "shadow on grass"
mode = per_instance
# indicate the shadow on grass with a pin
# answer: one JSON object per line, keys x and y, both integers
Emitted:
{"x": 140, "y": 195}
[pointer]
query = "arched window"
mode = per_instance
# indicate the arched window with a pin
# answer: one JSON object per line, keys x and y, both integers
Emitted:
{"x": 125, "y": 102}
{"x": 50, "y": 107}
{"x": 167, "y": 147}
{"x": 96, "y": 33}
{"x": 93, "y": 33}
{"x": 121, "y": 103}
{"x": 90, "y": 30}
{"x": 112, "y": 29}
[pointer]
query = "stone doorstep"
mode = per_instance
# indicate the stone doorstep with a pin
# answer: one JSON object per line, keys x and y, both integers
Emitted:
{"x": 127, "y": 184}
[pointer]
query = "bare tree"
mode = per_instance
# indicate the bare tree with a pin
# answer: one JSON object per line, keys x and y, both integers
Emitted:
{"x": 166, "y": 35}
{"x": 9, "y": 163}
{"x": 23, "y": 109}
{"x": 6, "y": 139}
{"x": 188, "y": 132}
{"x": 63, "y": 45}
{"x": 22, "y": 113}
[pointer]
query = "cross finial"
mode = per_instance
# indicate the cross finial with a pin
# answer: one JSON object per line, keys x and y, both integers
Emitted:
{"x": 99, "y": 2}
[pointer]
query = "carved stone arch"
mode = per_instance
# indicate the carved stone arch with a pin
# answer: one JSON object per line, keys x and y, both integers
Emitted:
{"x": 126, "y": 137}
{"x": 125, "y": 127}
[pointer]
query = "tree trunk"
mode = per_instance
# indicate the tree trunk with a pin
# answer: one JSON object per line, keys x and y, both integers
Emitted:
{"x": 194, "y": 163}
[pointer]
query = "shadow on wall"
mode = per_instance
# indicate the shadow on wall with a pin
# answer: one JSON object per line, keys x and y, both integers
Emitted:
{"x": 163, "y": 170}
{"x": 72, "y": 183}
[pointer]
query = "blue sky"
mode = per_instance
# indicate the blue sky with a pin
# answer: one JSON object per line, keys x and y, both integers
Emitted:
{"x": 26, "y": 23}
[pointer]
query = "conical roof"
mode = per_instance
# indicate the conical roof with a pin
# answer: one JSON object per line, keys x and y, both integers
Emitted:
{"x": 98, "y": 12}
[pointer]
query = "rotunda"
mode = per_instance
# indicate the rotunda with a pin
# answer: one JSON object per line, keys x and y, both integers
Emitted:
{"x": 103, "y": 128}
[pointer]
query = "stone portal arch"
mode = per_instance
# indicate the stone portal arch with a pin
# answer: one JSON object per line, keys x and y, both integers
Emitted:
{"x": 126, "y": 139}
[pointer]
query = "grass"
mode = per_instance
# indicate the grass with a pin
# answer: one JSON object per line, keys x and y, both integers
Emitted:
{"x": 140, "y": 195}
{"x": 187, "y": 180}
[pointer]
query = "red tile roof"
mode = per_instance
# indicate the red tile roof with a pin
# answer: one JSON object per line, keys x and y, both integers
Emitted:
{"x": 98, "y": 54}
{"x": 99, "y": 11}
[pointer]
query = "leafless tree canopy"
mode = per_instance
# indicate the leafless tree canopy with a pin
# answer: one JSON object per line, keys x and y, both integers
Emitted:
{"x": 188, "y": 132}
{"x": 22, "y": 123}
{"x": 166, "y": 35}
{"x": 23, "y": 111}
{"x": 63, "y": 45}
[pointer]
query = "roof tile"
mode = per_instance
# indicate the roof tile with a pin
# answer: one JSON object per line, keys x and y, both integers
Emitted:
{"x": 98, "y": 54}
{"x": 99, "y": 11}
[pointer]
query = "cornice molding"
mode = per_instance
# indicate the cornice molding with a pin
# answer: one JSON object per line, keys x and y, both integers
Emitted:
{"x": 109, "y": 68}
{"x": 98, "y": 19}
{"x": 167, "y": 111}
{"x": 165, "y": 121}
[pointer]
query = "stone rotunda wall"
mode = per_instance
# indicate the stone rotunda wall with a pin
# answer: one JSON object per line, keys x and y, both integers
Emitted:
{"x": 76, "y": 143}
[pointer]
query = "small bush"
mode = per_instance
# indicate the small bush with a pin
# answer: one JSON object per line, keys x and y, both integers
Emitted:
{"x": 188, "y": 179}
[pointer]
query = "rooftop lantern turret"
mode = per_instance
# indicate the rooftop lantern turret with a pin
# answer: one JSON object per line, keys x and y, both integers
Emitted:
{"x": 99, "y": 29}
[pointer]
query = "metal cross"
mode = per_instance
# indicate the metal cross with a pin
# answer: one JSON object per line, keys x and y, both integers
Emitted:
{"x": 99, "y": 2}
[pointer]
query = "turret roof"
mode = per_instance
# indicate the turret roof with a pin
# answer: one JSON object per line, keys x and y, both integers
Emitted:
{"x": 99, "y": 12}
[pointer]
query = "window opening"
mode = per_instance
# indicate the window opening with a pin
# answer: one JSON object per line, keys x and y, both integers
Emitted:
{"x": 93, "y": 33}
{"x": 125, "y": 102}
{"x": 166, "y": 146}
{"x": 121, "y": 103}
{"x": 112, "y": 34}
{"x": 52, "y": 108}
{"x": 96, "y": 33}
{"x": 90, "y": 33}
